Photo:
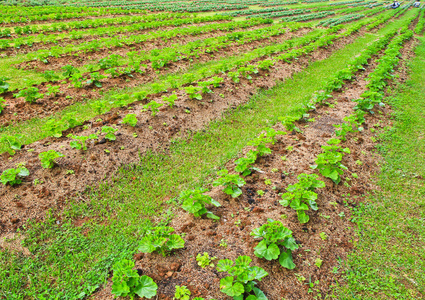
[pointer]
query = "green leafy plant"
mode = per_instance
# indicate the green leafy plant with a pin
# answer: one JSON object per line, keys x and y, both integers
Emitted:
{"x": 2, "y": 104}
{"x": 80, "y": 141}
{"x": 243, "y": 164}
{"x": 182, "y": 293}
{"x": 4, "y": 86}
{"x": 130, "y": 119}
{"x": 161, "y": 240}
{"x": 121, "y": 100}
{"x": 99, "y": 106}
{"x": 126, "y": 282}
{"x": 234, "y": 76}
{"x": 205, "y": 85}
{"x": 231, "y": 183}
{"x": 69, "y": 70}
{"x": 288, "y": 122}
{"x": 14, "y": 176}
{"x": 54, "y": 127}
{"x": 31, "y": 94}
{"x": 275, "y": 236}
{"x": 242, "y": 280}
{"x": 194, "y": 202}
{"x": 153, "y": 106}
{"x": 13, "y": 142}
{"x": 329, "y": 162}
{"x": 204, "y": 260}
{"x": 301, "y": 195}
{"x": 194, "y": 92}
{"x": 260, "y": 144}
{"x": 71, "y": 120}
{"x": 95, "y": 79}
{"x": 52, "y": 90}
{"x": 216, "y": 81}
{"x": 170, "y": 99}
{"x": 109, "y": 132}
{"x": 48, "y": 158}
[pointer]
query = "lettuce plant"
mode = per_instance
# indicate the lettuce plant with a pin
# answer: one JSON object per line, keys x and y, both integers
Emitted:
{"x": 13, "y": 176}
{"x": 54, "y": 127}
{"x": 126, "y": 282}
{"x": 260, "y": 142}
{"x": 216, "y": 81}
{"x": 301, "y": 195}
{"x": 329, "y": 162}
{"x": 121, "y": 100}
{"x": 80, "y": 141}
{"x": 265, "y": 64}
{"x": 12, "y": 142}
{"x": 71, "y": 120}
{"x": 243, "y": 164}
{"x": 205, "y": 85}
{"x": 231, "y": 183}
{"x": 242, "y": 280}
{"x": 274, "y": 237}
{"x": 130, "y": 119}
{"x": 109, "y": 132}
{"x": 153, "y": 106}
{"x": 4, "y": 86}
{"x": 161, "y": 240}
{"x": 170, "y": 99}
{"x": 234, "y": 76}
{"x": 95, "y": 79}
{"x": 48, "y": 158}
{"x": 204, "y": 260}
{"x": 182, "y": 293}
{"x": 30, "y": 94}
{"x": 194, "y": 202}
{"x": 194, "y": 92}
{"x": 69, "y": 70}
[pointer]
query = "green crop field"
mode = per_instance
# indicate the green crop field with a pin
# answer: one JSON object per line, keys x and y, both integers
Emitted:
{"x": 246, "y": 150}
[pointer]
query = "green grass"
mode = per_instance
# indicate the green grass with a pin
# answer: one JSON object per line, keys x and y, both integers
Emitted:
{"x": 69, "y": 264}
{"x": 389, "y": 260}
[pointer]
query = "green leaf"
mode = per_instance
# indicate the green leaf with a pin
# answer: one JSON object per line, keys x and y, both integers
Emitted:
{"x": 224, "y": 265}
{"x": 212, "y": 216}
{"x": 259, "y": 293}
{"x": 285, "y": 260}
{"x": 236, "y": 192}
{"x": 290, "y": 243}
{"x": 230, "y": 289}
{"x": 243, "y": 261}
{"x": 146, "y": 287}
{"x": 120, "y": 289}
{"x": 262, "y": 251}
{"x": 302, "y": 216}
{"x": 215, "y": 203}
{"x": 146, "y": 246}
{"x": 175, "y": 242}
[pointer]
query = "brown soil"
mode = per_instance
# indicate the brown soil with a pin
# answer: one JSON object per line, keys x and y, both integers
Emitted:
{"x": 18, "y": 110}
{"x": 29, "y": 201}
{"x": 240, "y": 216}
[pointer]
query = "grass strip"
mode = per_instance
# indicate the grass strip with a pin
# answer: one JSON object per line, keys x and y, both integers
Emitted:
{"x": 71, "y": 262}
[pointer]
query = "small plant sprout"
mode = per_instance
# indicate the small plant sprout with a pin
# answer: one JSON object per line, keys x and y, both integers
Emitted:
{"x": 13, "y": 142}
{"x": 242, "y": 280}
{"x": 54, "y": 127}
{"x": 318, "y": 262}
{"x": 260, "y": 193}
{"x": 161, "y": 240}
{"x": 194, "y": 92}
{"x": 216, "y": 81}
{"x": 231, "y": 183}
{"x": 323, "y": 236}
{"x": 274, "y": 235}
{"x": 243, "y": 164}
{"x": 99, "y": 106}
{"x": 153, "y": 106}
{"x": 204, "y": 260}
{"x": 48, "y": 158}
{"x": 126, "y": 282}
{"x": 30, "y": 94}
{"x": 170, "y": 99}
{"x": 130, "y": 119}
{"x": 182, "y": 293}
{"x": 14, "y": 176}
{"x": 194, "y": 202}
{"x": 267, "y": 182}
{"x": 2, "y": 104}
{"x": 223, "y": 243}
{"x": 109, "y": 133}
{"x": 80, "y": 141}
{"x": 205, "y": 85}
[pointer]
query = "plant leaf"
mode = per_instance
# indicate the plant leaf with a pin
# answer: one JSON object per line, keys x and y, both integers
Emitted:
{"x": 285, "y": 260}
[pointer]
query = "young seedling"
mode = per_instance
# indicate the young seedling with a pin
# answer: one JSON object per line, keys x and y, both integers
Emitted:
{"x": 95, "y": 79}
{"x": 216, "y": 81}
{"x": 48, "y": 158}
{"x": 204, "y": 260}
{"x": 153, "y": 106}
{"x": 54, "y": 127}
{"x": 13, "y": 142}
{"x": 301, "y": 195}
{"x": 80, "y": 141}
{"x": 242, "y": 280}
{"x": 170, "y": 100}
{"x": 194, "y": 202}
{"x": 4, "y": 86}
{"x": 161, "y": 240}
{"x": 2, "y": 104}
{"x": 126, "y": 282}
{"x": 243, "y": 164}
{"x": 13, "y": 176}
{"x": 194, "y": 92}
{"x": 130, "y": 119}
{"x": 30, "y": 94}
{"x": 231, "y": 183}
{"x": 182, "y": 293}
{"x": 109, "y": 133}
{"x": 275, "y": 236}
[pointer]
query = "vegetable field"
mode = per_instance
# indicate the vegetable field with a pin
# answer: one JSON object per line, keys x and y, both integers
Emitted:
{"x": 205, "y": 149}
